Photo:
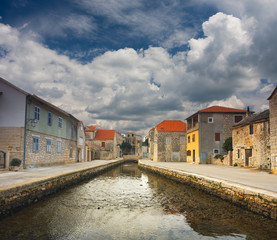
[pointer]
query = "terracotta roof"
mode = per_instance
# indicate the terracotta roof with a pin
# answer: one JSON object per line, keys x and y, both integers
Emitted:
{"x": 171, "y": 126}
{"x": 91, "y": 128}
{"x": 253, "y": 118}
{"x": 222, "y": 109}
{"x": 272, "y": 93}
{"x": 105, "y": 134}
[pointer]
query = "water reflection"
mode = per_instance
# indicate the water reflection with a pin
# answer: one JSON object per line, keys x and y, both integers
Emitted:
{"x": 125, "y": 203}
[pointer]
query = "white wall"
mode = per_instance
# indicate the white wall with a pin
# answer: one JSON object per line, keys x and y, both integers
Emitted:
{"x": 12, "y": 106}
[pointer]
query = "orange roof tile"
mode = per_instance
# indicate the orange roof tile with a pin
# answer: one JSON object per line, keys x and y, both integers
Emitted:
{"x": 222, "y": 109}
{"x": 105, "y": 134}
{"x": 171, "y": 126}
{"x": 91, "y": 128}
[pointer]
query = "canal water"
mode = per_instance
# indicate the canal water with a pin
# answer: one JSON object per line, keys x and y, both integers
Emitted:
{"x": 127, "y": 203}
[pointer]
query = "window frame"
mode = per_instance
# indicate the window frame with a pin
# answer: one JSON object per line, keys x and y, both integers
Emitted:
{"x": 216, "y": 149}
{"x": 251, "y": 129}
{"x": 35, "y": 144}
{"x": 60, "y": 122}
{"x": 37, "y": 113}
{"x": 168, "y": 140}
{"x": 48, "y": 146}
{"x": 50, "y": 117}
{"x": 217, "y": 137}
{"x": 193, "y": 137}
{"x": 237, "y": 116}
{"x": 59, "y": 146}
{"x": 210, "y": 118}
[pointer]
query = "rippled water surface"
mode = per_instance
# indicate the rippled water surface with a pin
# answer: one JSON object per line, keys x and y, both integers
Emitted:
{"x": 126, "y": 203}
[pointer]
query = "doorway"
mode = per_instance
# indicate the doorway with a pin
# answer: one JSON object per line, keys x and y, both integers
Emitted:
{"x": 2, "y": 159}
{"x": 248, "y": 154}
{"x": 193, "y": 155}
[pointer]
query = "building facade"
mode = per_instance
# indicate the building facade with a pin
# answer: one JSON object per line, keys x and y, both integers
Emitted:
{"x": 169, "y": 143}
{"x": 208, "y": 129}
{"x": 273, "y": 128}
{"x": 34, "y": 130}
{"x": 251, "y": 141}
{"x": 136, "y": 142}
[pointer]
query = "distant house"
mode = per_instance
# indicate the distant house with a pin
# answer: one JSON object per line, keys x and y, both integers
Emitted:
{"x": 91, "y": 148}
{"x": 136, "y": 142}
{"x": 35, "y": 130}
{"x": 106, "y": 142}
{"x": 273, "y": 127}
{"x": 169, "y": 143}
{"x": 251, "y": 141}
{"x": 208, "y": 129}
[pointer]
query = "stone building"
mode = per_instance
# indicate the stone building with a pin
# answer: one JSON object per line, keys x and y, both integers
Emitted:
{"x": 35, "y": 130}
{"x": 105, "y": 141}
{"x": 273, "y": 127}
{"x": 208, "y": 129}
{"x": 91, "y": 148}
{"x": 169, "y": 143}
{"x": 251, "y": 141}
{"x": 136, "y": 142}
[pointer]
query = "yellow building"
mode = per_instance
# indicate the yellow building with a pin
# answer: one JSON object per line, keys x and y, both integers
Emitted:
{"x": 193, "y": 146}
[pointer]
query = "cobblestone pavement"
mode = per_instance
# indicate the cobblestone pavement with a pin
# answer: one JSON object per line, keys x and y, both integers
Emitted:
{"x": 9, "y": 179}
{"x": 243, "y": 176}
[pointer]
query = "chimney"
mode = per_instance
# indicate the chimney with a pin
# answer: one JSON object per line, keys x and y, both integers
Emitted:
{"x": 248, "y": 111}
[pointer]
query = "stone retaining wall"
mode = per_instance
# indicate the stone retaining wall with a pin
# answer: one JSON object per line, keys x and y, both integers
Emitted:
{"x": 19, "y": 196}
{"x": 242, "y": 196}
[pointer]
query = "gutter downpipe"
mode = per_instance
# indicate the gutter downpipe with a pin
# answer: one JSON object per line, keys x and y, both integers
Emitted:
{"x": 25, "y": 133}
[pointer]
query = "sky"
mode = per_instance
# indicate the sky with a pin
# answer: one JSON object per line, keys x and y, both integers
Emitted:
{"x": 128, "y": 65}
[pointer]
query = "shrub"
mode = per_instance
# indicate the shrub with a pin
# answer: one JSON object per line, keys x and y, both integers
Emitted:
{"x": 16, "y": 162}
{"x": 228, "y": 145}
{"x": 219, "y": 156}
{"x": 235, "y": 164}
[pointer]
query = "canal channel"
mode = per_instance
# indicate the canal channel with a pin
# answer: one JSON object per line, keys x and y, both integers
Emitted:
{"x": 128, "y": 203}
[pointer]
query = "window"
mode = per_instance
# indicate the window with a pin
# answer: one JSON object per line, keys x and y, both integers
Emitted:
{"x": 168, "y": 140}
{"x": 193, "y": 137}
{"x": 182, "y": 140}
{"x": 103, "y": 144}
{"x": 188, "y": 153}
{"x": 237, "y": 119}
{"x": 60, "y": 122}
{"x": 35, "y": 144}
{"x": 251, "y": 129}
{"x": 37, "y": 113}
{"x": 188, "y": 139}
{"x": 48, "y": 145}
{"x": 210, "y": 119}
{"x": 59, "y": 146}
{"x": 216, "y": 151}
{"x": 238, "y": 153}
{"x": 217, "y": 137}
{"x": 49, "y": 119}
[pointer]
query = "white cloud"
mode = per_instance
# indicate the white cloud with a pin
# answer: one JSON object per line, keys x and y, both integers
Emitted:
{"x": 135, "y": 90}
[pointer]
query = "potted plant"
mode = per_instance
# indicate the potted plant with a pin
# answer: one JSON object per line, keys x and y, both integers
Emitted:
{"x": 15, "y": 164}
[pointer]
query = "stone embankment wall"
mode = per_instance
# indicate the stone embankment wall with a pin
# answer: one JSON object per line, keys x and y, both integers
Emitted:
{"x": 19, "y": 196}
{"x": 242, "y": 196}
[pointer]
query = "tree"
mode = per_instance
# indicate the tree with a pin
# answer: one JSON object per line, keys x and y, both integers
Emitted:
{"x": 228, "y": 145}
{"x": 145, "y": 143}
{"x": 125, "y": 147}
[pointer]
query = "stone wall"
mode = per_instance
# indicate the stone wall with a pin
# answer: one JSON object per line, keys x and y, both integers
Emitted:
{"x": 258, "y": 143}
{"x": 23, "y": 195}
{"x": 260, "y": 203}
{"x": 172, "y": 151}
{"x": 273, "y": 129}
{"x": 68, "y": 152}
{"x": 12, "y": 141}
{"x": 109, "y": 151}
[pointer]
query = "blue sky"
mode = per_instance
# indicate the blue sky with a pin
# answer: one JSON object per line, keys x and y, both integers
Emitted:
{"x": 129, "y": 65}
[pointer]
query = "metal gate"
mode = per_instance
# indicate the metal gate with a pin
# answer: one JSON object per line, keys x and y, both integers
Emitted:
{"x": 2, "y": 159}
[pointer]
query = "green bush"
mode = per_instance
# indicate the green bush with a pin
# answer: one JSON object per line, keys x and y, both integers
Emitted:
{"x": 219, "y": 156}
{"x": 228, "y": 145}
{"x": 15, "y": 162}
{"x": 235, "y": 164}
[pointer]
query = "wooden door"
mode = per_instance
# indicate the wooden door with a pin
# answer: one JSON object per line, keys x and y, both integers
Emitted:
{"x": 248, "y": 153}
{"x": 193, "y": 155}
